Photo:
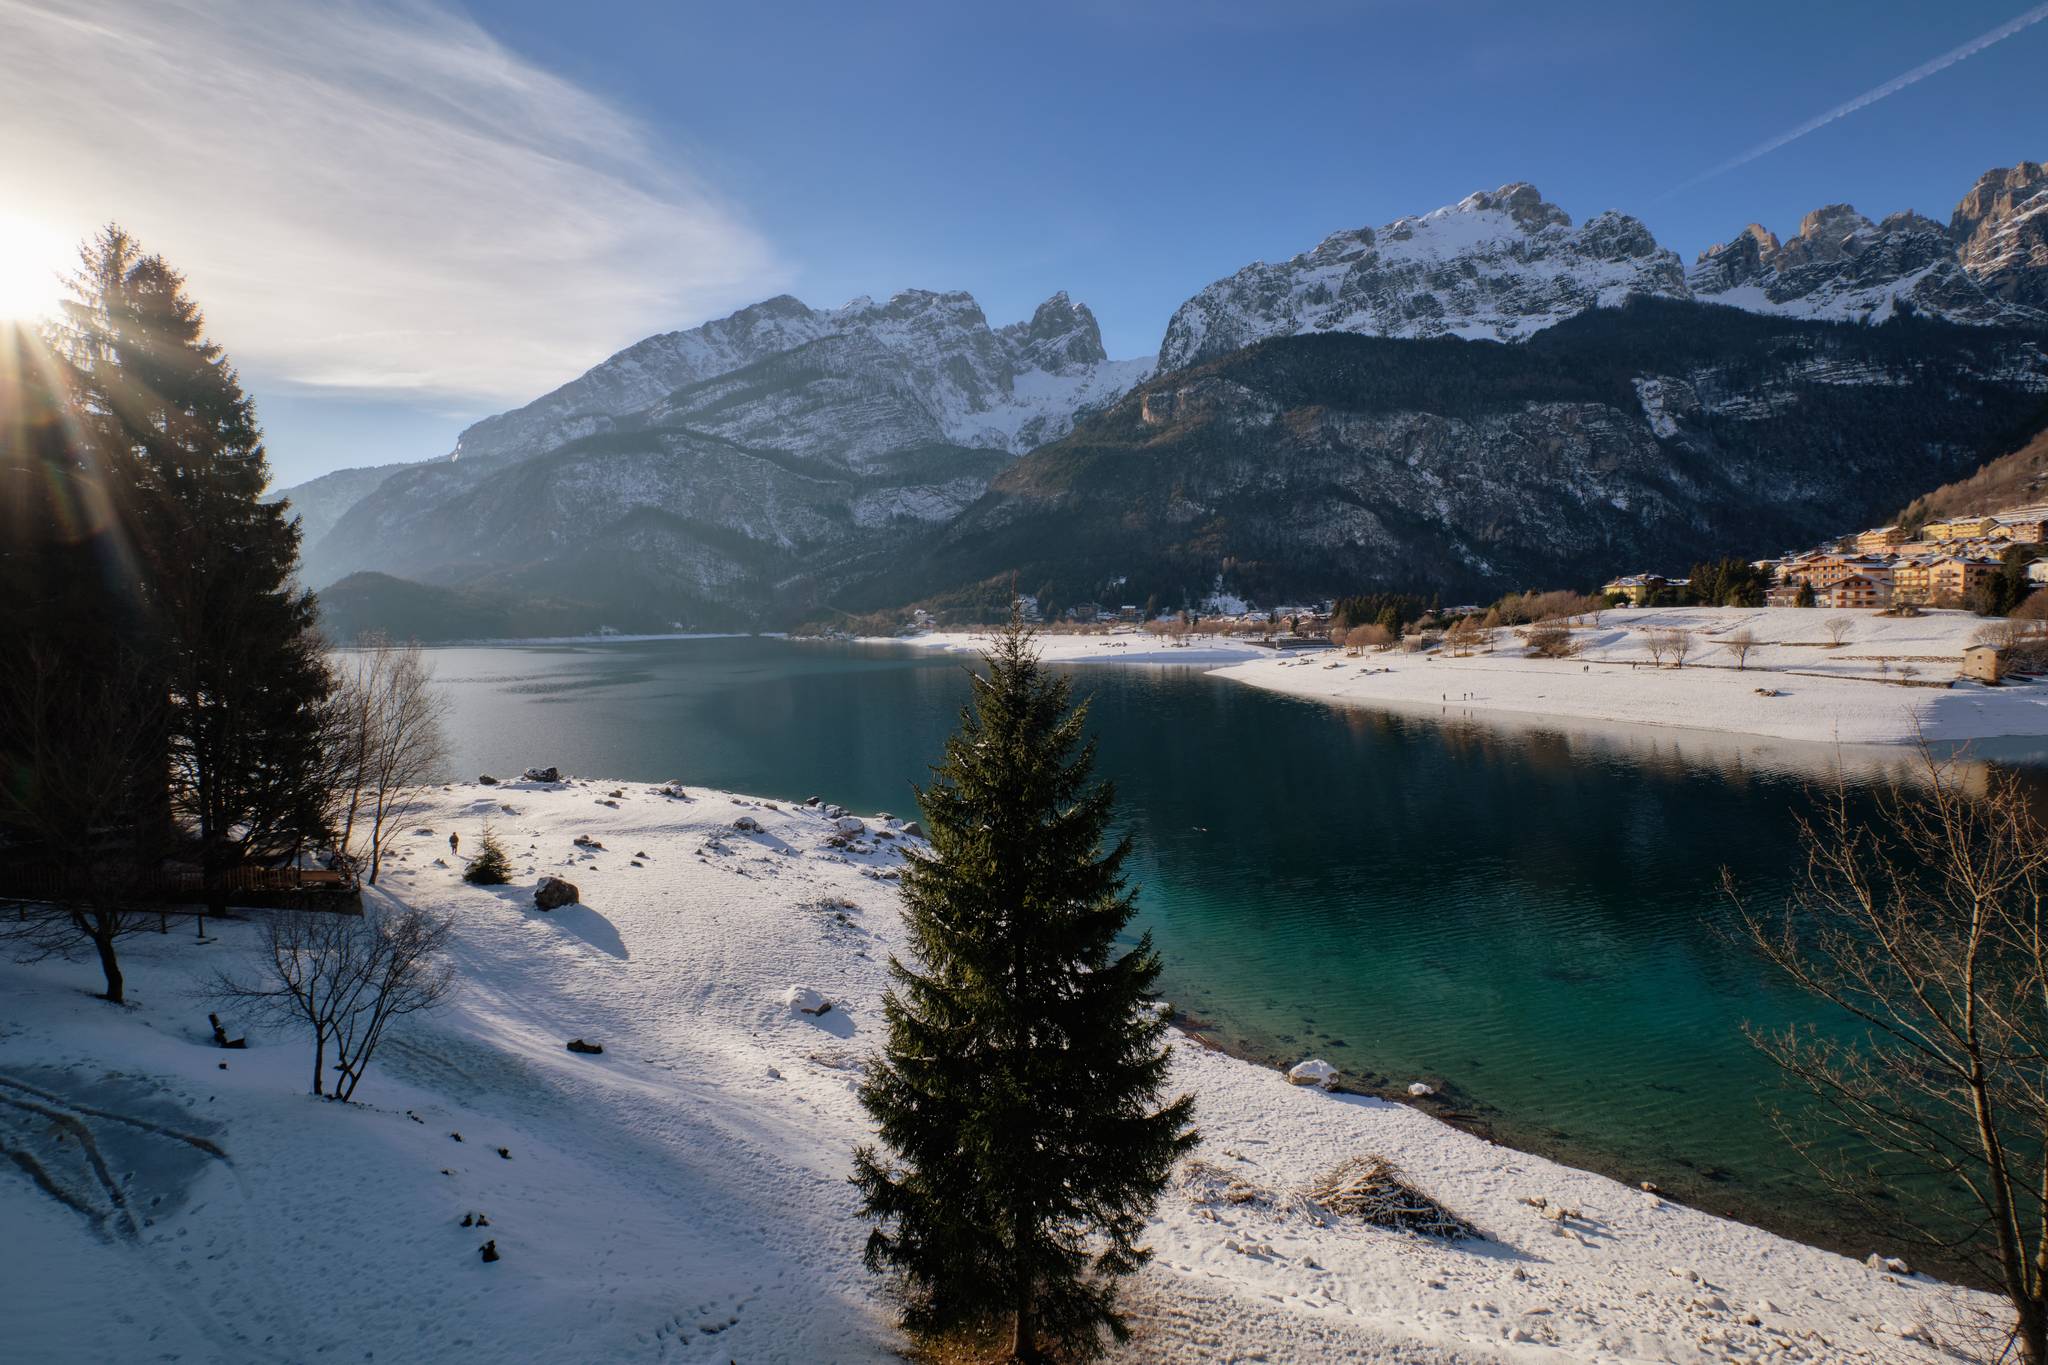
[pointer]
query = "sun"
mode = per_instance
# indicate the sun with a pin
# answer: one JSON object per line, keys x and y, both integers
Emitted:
{"x": 32, "y": 257}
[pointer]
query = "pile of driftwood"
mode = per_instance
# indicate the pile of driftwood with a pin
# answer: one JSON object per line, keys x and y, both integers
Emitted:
{"x": 1371, "y": 1188}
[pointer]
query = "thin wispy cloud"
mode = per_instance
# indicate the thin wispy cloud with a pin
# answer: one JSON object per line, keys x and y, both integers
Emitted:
{"x": 1872, "y": 96}
{"x": 371, "y": 197}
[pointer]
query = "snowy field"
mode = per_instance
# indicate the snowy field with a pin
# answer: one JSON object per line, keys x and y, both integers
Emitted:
{"x": 1868, "y": 690}
{"x": 684, "y": 1196}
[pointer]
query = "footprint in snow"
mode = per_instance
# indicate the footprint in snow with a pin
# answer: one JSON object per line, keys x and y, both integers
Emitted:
{"x": 700, "y": 1323}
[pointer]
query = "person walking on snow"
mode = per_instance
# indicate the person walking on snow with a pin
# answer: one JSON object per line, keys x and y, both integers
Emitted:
{"x": 454, "y": 842}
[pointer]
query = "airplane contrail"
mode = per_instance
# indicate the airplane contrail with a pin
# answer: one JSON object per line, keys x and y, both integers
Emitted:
{"x": 1873, "y": 95}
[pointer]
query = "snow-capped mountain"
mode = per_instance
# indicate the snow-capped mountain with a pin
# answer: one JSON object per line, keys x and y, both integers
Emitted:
{"x": 1505, "y": 264}
{"x": 973, "y": 386}
{"x": 703, "y": 474}
{"x": 1498, "y": 265}
{"x": 1842, "y": 267}
{"x": 787, "y": 459}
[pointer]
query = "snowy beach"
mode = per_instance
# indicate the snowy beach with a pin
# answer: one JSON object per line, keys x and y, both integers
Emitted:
{"x": 1884, "y": 684}
{"x": 683, "y": 1195}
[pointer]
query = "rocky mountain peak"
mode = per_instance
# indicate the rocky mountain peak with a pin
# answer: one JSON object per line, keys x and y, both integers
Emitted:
{"x": 1998, "y": 193}
{"x": 1060, "y": 336}
{"x": 1843, "y": 267}
{"x": 2002, "y": 228}
{"x": 1827, "y": 234}
{"x": 1520, "y": 201}
{"x": 1498, "y": 264}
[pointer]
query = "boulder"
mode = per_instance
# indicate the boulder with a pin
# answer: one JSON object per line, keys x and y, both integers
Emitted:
{"x": 587, "y": 1049}
{"x": 543, "y": 774}
{"x": 1315, "y": 1071}
{"x": 804, "y": 1000}
{"x": 913, "y": 829}
{"x": 747, "y": 824}
{"x": 1421, "y": 1089}
{"x": 585, "y": 841}
{"x": 554, "y": 893}
{"x": 486, "y": 780}
{"x": 850, "y": 825}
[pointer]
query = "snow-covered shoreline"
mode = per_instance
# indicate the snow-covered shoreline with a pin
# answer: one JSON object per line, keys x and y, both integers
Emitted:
{"x": 1881, "y": 686}
{"x": 684, "y": 1195}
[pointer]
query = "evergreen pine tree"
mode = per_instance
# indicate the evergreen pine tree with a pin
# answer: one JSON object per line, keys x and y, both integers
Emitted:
{"x": 83, "y": 712}
{"x": 231, "y": 631}
{"x": 491, "y": 865}
{"x": 1018, "y": 1093}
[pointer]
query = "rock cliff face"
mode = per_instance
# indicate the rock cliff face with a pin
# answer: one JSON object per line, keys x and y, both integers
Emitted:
{"x": 1648, "y": 434}
{"x": 2002, "y": 226}
{"x": 1497, "y": 265}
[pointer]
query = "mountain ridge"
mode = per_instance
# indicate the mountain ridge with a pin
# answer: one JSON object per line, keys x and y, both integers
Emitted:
{"x": 767, "y": 464}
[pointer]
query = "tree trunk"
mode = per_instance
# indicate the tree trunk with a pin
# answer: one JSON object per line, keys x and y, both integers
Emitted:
{"x": 1024, "y": 1340}
{"x": 319, "y": 1063}
{"x": 116, "y": 988}
{"x": 2031, "y": 1331}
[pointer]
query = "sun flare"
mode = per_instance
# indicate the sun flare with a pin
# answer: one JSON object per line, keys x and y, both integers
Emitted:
{"x": 32, "y": 259}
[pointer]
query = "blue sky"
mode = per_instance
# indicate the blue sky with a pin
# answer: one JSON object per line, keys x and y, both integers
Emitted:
{"x": 1127, "y": 152}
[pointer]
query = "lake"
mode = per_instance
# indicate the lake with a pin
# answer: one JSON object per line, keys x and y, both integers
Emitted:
{"x": 1527, "y": 917}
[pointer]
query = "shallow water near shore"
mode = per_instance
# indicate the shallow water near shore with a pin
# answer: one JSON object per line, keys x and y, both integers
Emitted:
{"x": 1527, "y": 917}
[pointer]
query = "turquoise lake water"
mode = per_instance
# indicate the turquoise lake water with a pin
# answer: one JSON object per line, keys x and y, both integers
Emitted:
{"x": 1528, "y": 917}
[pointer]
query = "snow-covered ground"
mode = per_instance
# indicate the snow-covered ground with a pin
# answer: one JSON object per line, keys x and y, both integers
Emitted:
{"x": 683, "y": 1196}
{"x": 1869, "y": 690}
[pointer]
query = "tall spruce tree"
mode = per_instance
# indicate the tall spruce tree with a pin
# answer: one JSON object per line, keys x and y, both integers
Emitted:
{"x": 84, "y": 822}
{"x": 1019, "y": 1092}
{"x": 230, "y": 630}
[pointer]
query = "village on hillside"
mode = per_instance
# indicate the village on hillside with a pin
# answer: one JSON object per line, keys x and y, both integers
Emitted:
{"x": 1938, "y": 564}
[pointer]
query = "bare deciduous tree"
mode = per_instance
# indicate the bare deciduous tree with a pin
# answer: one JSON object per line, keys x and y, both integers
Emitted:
{"x": 1740, "y": 643}
{"x": 392, "y": 742}
{"x": 1369, "y": 637}
{"x": 1838, "y": 628}
{"x": 1658, "y": 644}
{"x": 1682, "y": 642}
{"x": 1927, "y": 927}
{"x": 344, "y": 977}
{"x": 1552, "y": 640}
{"x": 84, "y": 750}
{"x": 2004, "y": 633}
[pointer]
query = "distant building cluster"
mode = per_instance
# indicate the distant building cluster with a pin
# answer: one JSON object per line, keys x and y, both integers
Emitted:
{"x": 1642, "y": 588}
{"x": 1886, "y": 566}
